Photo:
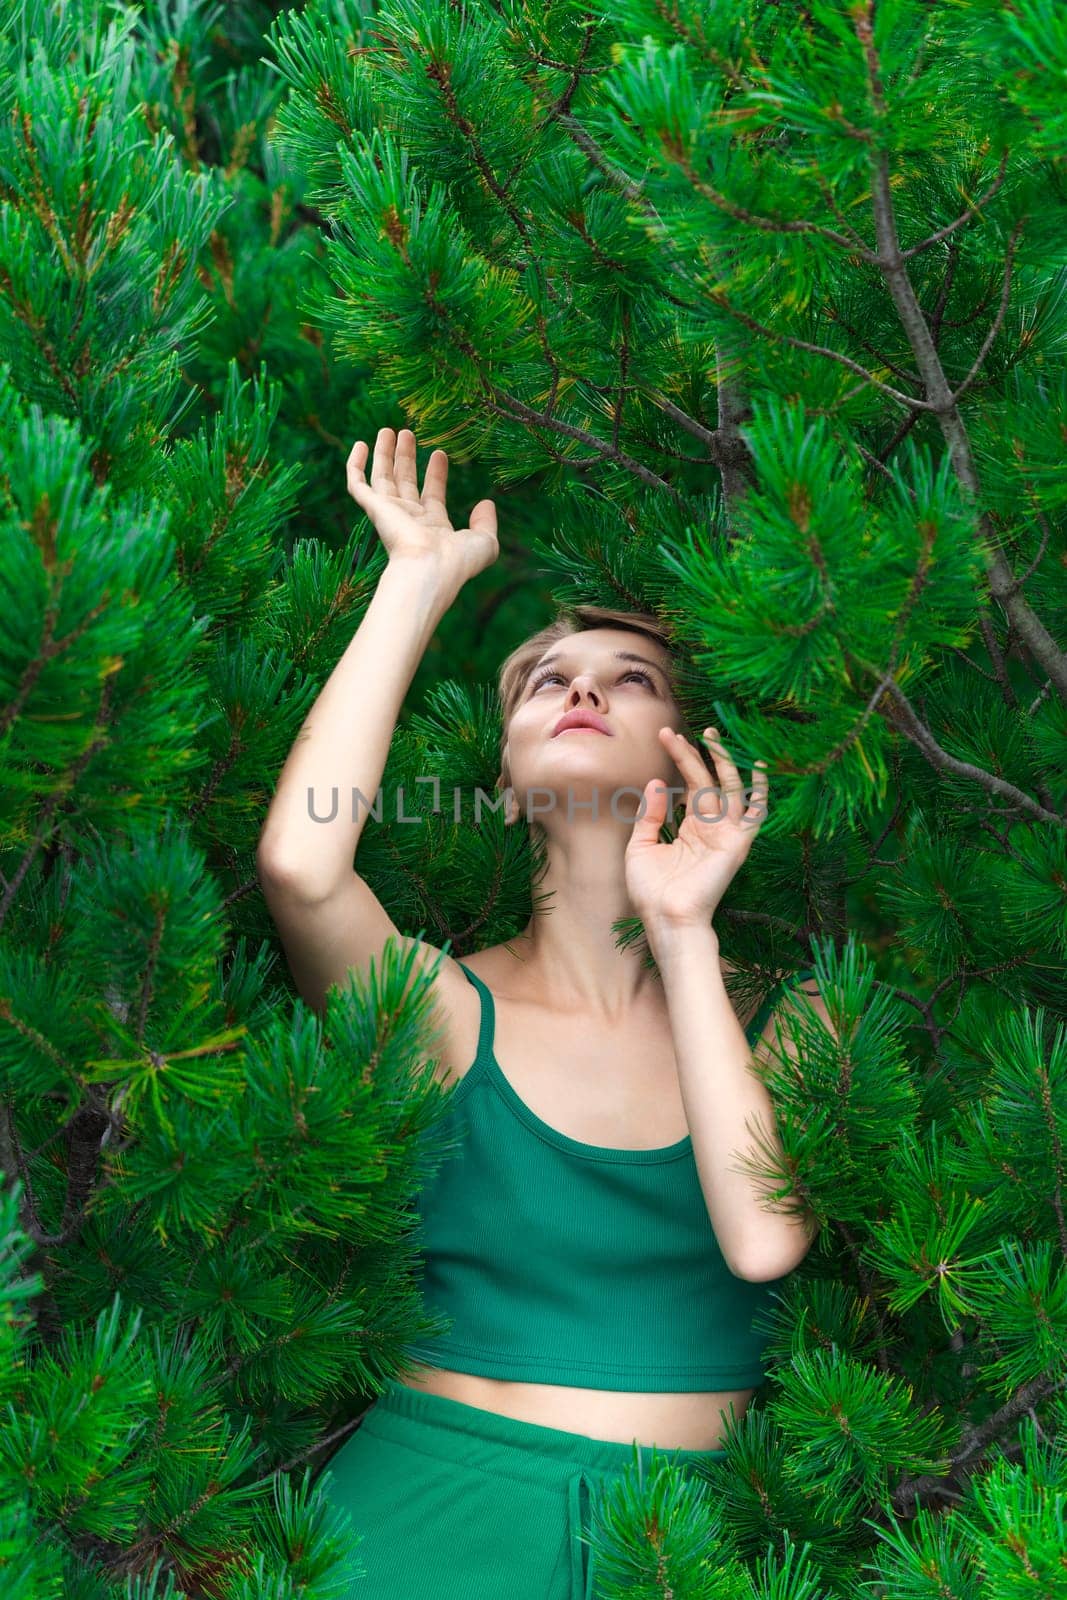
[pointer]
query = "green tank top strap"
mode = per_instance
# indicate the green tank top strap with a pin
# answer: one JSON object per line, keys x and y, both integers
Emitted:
{"x": 759, "y": 1021}
{"x": 488, "y": 1022}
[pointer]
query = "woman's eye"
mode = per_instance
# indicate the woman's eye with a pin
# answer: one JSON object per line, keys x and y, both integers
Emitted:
{"x": 635, "y": 672}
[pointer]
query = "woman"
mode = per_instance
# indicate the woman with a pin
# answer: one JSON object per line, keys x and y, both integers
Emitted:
{"x": 599, "y": 1249}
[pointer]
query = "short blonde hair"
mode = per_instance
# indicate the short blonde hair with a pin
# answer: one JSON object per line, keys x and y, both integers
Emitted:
{"x": 516, "y": 670}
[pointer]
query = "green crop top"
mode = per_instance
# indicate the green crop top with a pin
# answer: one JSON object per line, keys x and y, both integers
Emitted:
{"x": 578, "y": 1264}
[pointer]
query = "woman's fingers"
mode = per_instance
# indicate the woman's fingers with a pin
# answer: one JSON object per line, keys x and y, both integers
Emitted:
{"x": 404, "y": 470}
{"x": 394, "y": 470}
{"x": 435, "y": 482}
{"x": 357, "y": 460}
{"x": 708, "y": 798}
{"x": 757, "y": 801}
{"x": 731, "y": 777}
{"x": 687, "y": 760}
{"x": 381, "y": 472}
{"x": 692, "y": 766}
{"x": 718, "y": 750}
{"x": 355, "y": 475}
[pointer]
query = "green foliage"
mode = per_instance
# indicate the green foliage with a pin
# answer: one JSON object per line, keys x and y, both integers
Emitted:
{"x": 748, "y": 315}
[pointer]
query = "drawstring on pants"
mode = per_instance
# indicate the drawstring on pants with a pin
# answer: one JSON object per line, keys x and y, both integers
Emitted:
{"x": 581, "y": 1555}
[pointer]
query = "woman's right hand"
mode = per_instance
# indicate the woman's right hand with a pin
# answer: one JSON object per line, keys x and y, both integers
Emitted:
{"x": 417, "y": 526}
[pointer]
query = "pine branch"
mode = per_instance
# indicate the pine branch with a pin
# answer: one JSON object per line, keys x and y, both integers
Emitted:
{"x": 768, "y": 224}
{"x": 873, "y": 858}
{"x": 155, "y": 1542}
{"x": 516, "y": 410}
{"x": 48, "y": 1318}
{"x": 85, "y": 1133}
{"x": 241, "y": 890}
{"x": 1040, "y": 698}
{"x": 733, "y": 458}
{"x": 967, "y": 216}
{"x": 61, "y": 791}
{"x": 871, "y": 1295}
{"x": 624, "y": 365}
{"x": 899, "y": 436}
{"x": 617, "y": 177}
{"x": 440, "y": 72}
{"x": 727, "y": 447}
{"x": 513, "y": 409}
{"x": 767, "y": 919}
{"x": 880, "y": 466}
{"x": 941, "y": 400}
{"x": 998, "y": 320}
{"x": 575, "y": 71}
{"x": 13, "y": 1161}
{"x": 910, "y": 724}
{"x": 973, "y": 1443}
{"x": 944, "y": 292}
{"x": 320, "y": 1444}
{"x": 719, "y": 298}
{"x": 833, "y": 315}
{"x": 1046, "y": 534}
{"x": 999, "y": 673}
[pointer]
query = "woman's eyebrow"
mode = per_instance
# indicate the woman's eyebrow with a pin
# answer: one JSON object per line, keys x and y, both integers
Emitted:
{"x": 619, "y": 655}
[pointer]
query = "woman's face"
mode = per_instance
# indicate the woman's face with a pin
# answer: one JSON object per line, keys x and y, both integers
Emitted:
{"x": 618, "y": 676}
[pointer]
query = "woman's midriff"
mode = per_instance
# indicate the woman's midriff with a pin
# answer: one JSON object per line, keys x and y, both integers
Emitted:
{"x": 668, "y": 1421}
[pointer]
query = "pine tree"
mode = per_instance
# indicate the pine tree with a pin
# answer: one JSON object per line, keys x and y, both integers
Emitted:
{"x": 167, "y": 618}
{"x": 767, "y": 304}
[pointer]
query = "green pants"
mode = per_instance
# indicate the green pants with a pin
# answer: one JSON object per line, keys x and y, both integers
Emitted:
{"x": 456, "y": 1503}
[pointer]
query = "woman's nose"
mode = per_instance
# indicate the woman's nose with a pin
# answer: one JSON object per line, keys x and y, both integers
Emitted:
{"x": 584, "y": 685}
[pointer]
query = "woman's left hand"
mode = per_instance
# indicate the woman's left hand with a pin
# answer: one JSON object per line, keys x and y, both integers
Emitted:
{"x": 684, "y": 881}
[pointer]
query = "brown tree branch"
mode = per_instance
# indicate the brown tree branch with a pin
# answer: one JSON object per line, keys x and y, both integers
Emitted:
{"x": 1003, "y": 585}
{"x": 944, "y": 292}
{"x": 61, "y": 792}
{"x": 13, "y": 1164}
{"x": 973, "y": 1444}
{"x": 972, "y": 211}
{"x": 726, "y": 445}
{"x": 833, "y": 315}
{"x": 820, "y": 350}
{"x": 751, "y": 219}
{"x": 910, "y": 724}
{"x": 998, "y": 320}
{"x": 999, "y": 674}
{"x": 516, "y": 410}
